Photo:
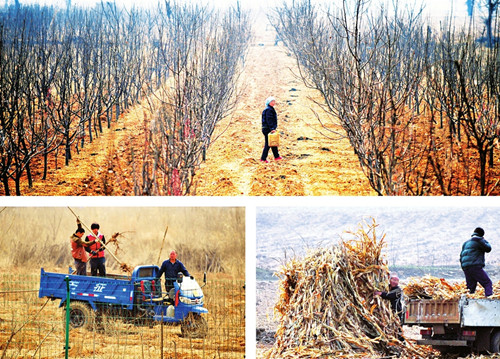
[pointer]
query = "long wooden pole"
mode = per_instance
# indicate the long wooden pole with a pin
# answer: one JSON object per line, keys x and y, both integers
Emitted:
{"x": 162, "y": 243}
{"x": 97, "y": 239}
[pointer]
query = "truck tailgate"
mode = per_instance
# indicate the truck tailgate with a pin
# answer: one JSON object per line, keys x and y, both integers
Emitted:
{"x": 428, "y": 311}
{"x": 481, "y": 313}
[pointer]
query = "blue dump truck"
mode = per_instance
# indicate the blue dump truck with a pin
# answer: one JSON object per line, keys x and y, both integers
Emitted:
{"x": 98, "y": 301}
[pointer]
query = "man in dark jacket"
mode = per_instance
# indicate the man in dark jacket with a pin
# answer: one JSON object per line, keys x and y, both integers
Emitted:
{"x": 269, "y": 124}
{"x": 171, "y": 267}
{"x": 394, "y": 296}
{"x": 472, "y": 262}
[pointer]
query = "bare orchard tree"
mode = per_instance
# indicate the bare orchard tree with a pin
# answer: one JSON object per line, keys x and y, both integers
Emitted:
{"x": 367, "y": 69}
{"x": 203, "y": 58}
{"x": 46, "y": 67}
{"x": 65, "y": 101}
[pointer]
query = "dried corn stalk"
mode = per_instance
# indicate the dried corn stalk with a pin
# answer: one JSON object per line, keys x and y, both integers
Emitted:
{"x": 429, "y": 287}
{"x": 327, "y": 308}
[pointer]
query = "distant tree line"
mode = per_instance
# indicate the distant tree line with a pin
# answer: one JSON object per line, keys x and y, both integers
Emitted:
{"x": 420, "y": 106}
{"x": 64, "y": 73}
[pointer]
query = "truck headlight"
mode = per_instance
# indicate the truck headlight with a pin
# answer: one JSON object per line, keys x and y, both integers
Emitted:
{"x": 190, "y": 301}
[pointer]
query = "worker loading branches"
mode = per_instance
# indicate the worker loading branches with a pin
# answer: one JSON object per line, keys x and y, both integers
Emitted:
{"x": 96, "y": 248}
{"x": 96, "y": 245}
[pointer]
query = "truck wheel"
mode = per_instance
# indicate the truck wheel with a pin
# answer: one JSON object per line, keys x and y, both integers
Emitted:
{"x": 194, "y": 326}
{"x": 495, "y": 342}
{"x": 81, "y": 315}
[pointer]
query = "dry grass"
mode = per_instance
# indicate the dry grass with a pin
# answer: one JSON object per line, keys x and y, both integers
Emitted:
{"x": 32, "y": 328}
{"x": 39, "y": 236}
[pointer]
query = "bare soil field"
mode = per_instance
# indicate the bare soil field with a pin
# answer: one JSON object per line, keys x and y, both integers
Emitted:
{"x": 313, "y": 165}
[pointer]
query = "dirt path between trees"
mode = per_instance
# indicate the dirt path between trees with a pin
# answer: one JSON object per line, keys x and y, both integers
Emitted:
{"x": 313, "y": 165}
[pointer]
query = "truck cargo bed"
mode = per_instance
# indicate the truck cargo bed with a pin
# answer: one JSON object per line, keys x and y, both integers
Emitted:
{"x": 429, "y": 311}
{"x": 467, "y": 312}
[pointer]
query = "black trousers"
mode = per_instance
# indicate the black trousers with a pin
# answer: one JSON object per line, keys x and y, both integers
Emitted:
{"x": 266, "y": 132}
{"x": 98, "y": 265}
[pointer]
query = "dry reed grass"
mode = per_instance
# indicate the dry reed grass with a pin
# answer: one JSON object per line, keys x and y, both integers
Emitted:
{"x": 39, "y": 236}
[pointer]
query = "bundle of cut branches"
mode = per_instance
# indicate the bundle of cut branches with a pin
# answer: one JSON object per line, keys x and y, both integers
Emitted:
{"x": 327, "y": 307}
{"x": 429, "y": 287}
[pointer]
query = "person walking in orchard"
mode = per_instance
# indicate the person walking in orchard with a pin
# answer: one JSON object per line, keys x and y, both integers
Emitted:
{"x": 269, "y": 125}
{"x": 472, "y": 262}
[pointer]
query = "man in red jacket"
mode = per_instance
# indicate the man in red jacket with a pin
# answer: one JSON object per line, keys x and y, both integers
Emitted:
{"x": 96, "y": 249}
{"x": 78, "y": 244}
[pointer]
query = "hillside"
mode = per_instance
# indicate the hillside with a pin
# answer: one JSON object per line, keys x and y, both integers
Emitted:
{"x": 415, "y": 236}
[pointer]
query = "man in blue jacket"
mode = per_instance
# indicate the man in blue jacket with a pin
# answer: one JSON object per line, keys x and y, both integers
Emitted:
{"x": 269, "y": 124}
{"x": 171, "y": 267}
{"x": 472, "y": 262}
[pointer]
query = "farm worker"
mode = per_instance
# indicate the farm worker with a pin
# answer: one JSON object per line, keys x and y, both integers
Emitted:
{"x": 472, "y": 262}
{"x": 78, "y": 245}
{"x": 393, "y": 295}
{"x": 171, "y": 267}
{"x": 269, "y": 125}
{"x": 96, "y": 250}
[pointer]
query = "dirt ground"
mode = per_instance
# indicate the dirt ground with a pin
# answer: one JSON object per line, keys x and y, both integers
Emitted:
{"x": 313, "y": 165}
{"x": 32, "y": 327}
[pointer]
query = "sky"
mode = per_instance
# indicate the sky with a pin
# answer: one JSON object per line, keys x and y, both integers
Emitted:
{"x": 432, "y": 7}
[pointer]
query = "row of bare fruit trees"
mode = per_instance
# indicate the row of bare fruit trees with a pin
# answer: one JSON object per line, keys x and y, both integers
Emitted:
{"x": 65, "y": 72}
{"x": 420, "y": 105}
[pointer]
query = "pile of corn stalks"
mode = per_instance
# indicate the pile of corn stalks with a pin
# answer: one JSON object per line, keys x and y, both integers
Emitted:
{"x": 327, "y": 307}
{"x": 429, "y": 287}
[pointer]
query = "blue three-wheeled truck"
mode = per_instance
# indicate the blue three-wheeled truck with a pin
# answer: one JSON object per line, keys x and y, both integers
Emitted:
{"x": 137, "y": 298}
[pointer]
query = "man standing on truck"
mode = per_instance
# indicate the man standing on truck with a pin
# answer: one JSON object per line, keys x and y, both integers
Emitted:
{"x": 472, "y": 262}
{"x": 96, "y": 249}
{"x": 78, "y": 245}
{"x": 171, "y": 267}
{"x": 394, "y": 296}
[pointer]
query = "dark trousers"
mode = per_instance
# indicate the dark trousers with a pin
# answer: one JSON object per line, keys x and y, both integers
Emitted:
{"x": 266, "y": 146}
{"x": 98, "y": 265}
{"x": 473, "y": 275}
{"x": 81, "y": 267}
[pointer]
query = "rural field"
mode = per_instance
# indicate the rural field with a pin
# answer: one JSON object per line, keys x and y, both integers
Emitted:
{"x": 417, "y": 242}
{"x": 313, "y": 165}
{"x": 175, "y": 117}
{"x": 32, "y": 327}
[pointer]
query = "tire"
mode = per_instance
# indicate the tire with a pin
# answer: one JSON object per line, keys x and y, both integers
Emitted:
{"x": 194, "y": 326}
{"x": 81, "y": 315}
{"x": 495, "y": 342}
